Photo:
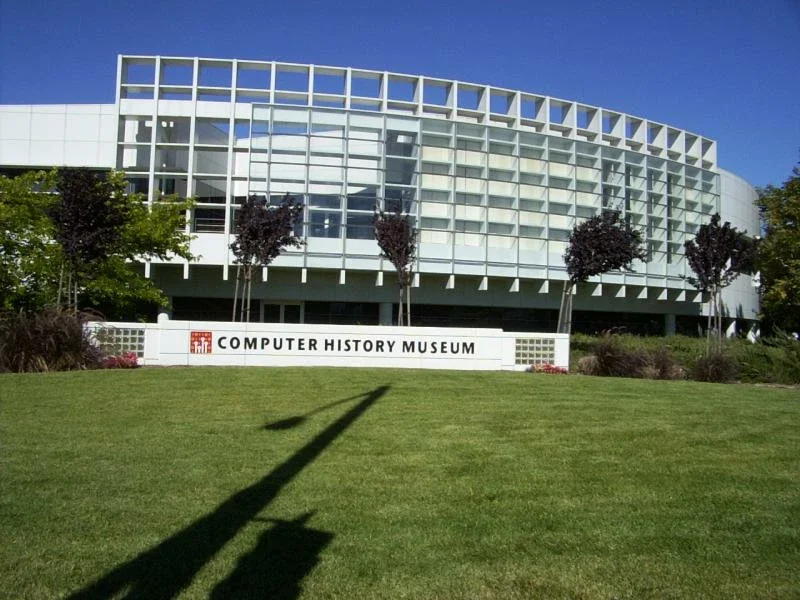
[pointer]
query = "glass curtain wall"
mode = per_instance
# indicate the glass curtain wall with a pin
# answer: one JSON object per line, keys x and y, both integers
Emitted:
{"x": 478, "y": 192}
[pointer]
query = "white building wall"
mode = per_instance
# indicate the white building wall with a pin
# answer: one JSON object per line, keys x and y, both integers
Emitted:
{"x": 738, "y": 203}
{"x": 738, "y": 206}
{"x": 48, "y": 135}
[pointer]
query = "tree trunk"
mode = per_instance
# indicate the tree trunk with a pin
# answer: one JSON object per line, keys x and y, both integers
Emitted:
{"x": 60, "y": 284}
{"x": 249, "y": 298}
{"x": 247, "y": 272}
{"x": 236, "y": 292}
{"x": 711, "y": 306}
{"x": 565, "y": 310}
{"x": 408, "y": 299}
{"x": 68, "y": 304}
{"x": 569, "y": 309}
{"x": 400, "y": 307}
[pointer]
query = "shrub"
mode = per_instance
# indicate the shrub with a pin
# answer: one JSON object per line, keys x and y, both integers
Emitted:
{"x": 581, "y": 344}
{"x": 49, "y": 340}
{"x": 615, "y": 355}
{"x": 587, "y": 365}
{"x": 684, "y": 349}
{"x": 757, "y": 364}
{"x": 718, "y": 366}
{"x": 662, "y": 364}
{"x": 772, "y": 360}
{"x": 790, "y": 359}
{"x": 614, "y": 359}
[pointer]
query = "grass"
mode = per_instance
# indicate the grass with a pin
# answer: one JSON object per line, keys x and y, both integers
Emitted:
{"x": 323, "y": 483}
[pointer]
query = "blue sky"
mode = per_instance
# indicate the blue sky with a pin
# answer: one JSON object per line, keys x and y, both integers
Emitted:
{"x": 727, "y": 70}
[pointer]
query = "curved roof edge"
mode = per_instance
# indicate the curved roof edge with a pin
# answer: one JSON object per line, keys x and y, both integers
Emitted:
{"x": 419, "y": 95}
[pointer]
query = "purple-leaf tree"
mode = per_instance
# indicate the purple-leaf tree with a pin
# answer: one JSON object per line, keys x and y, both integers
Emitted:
{"x": 88, "y": 220}
{"x": 397, "y": 240}
{"x": 718, "y": 255}
{"x": 262, "y": 232}
{"x": 597, "y": 245}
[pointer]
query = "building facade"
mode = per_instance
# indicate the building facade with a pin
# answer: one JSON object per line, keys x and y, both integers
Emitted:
{"x": 495, "y": 180}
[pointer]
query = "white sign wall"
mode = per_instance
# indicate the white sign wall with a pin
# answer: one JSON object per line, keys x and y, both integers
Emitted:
{"x": 274, "y": 344}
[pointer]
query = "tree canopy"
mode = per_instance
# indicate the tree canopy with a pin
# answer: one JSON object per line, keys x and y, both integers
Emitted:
{"x": 88, "y": 216}
{"x": 601, "y": 244}
{"x": 28, "y": 256}
{"x": 717, "y": 256}
{"x": 779, "y": 254}
{"x": 262, "y": 232}
{"x": 81, "y": 226}
{"x": 596, "y": 246}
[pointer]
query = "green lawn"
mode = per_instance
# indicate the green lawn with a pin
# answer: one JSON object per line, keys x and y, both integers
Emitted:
{"x": 336, "y": 483}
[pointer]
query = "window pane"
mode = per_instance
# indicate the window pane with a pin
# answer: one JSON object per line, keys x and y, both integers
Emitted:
{"x": 324, "y": 201}
{"x": 325, "y": 224}
{"x": 361, "y": 202}
{"x": 400, "y": 143}
{"x": 359, "y": 226}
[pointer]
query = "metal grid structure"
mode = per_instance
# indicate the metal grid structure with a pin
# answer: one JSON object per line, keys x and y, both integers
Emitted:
{"x": 493, "y": 176}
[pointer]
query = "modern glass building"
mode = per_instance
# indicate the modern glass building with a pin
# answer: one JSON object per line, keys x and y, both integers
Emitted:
{"x": 495, "y": 180}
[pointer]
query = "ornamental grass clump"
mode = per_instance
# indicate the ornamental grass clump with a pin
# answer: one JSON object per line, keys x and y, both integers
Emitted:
{"x": 718, "y": 366}
{"x": 662, "y": 364}
{"x": 613, "y": 355}
{"x": 614, "y": 359}
{"x": 52, "y": 339}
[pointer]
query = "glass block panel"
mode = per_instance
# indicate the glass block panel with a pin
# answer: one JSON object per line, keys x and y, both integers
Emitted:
{"x": 535, "y": 351}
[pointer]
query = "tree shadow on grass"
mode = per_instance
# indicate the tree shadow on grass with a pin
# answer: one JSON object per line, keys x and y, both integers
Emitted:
{"x": 278, "y": 563}
{"x": 164, "y": 570}
{"x": 292, "y": 422}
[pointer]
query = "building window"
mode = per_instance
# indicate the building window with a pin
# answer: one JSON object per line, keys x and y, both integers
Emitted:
{"x": 325, "y": 224}
{"x": 360, "y": 226}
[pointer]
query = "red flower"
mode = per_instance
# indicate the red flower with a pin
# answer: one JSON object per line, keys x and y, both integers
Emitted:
{"x": 548, "y": 368}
